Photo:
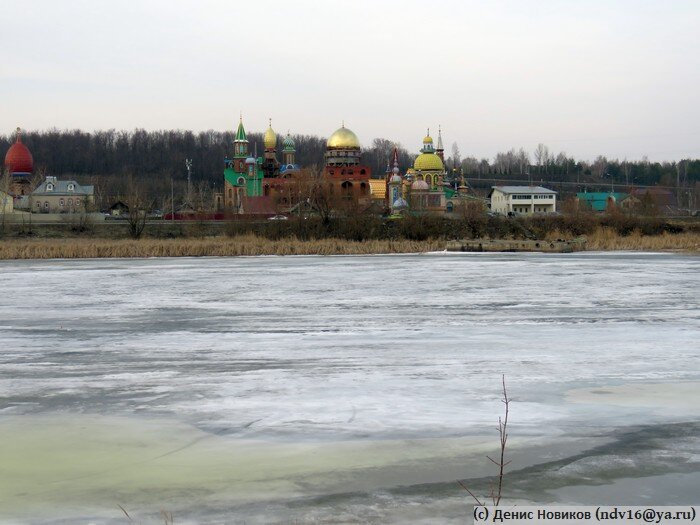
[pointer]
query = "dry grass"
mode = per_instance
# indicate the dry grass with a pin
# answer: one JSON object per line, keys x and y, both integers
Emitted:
{"x": 608, "y": 239}
{"x": 214, "y": 246}
{"x": 83, "y": 248}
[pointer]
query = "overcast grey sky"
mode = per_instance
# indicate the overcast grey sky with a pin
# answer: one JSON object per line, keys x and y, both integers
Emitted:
{"x": 617, "y": 78}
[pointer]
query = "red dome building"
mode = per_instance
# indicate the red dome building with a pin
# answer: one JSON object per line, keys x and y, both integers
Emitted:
{"x": 18, "y": 159}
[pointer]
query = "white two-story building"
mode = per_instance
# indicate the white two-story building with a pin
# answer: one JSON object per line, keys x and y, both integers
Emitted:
{"x": 522, "y": 199}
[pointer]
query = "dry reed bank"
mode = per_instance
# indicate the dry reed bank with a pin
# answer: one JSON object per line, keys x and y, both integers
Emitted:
{"x": 83, "y": 248}
{"x": 349, "y": 236}
{"x": 607, "y": 239}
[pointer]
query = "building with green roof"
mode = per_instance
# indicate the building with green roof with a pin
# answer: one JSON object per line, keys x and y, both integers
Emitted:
{"x": 599, "y": 201}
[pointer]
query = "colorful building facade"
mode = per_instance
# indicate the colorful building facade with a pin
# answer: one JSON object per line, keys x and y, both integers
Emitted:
{"x": 347, "y": 178}
{"x": 257, "y": 183}
{"x": 421, "y": 190}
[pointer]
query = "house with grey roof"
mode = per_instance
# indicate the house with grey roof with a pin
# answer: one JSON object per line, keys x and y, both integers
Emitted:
{"x": 525, "y": 200}
{"x": 60, "y": 196}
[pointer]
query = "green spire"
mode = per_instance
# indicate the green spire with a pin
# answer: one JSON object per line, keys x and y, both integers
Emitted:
{"x": 240, "y": 134}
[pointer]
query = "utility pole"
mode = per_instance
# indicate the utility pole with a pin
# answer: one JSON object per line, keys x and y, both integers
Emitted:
{"x": 678, "y": 184}
{"x": 188, "y": 164}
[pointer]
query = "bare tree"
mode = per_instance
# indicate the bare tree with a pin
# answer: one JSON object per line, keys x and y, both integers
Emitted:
{"x": 203, "y": 199}
{"x": 5, "y": 196}
{"x": 541, "y": 156}
{"x": 470, "y": 165}
{"x": 139, "y": 208}
{"x": 319, "y": 192}
{"x": 599, "y": 167}
{"x": 456, "y": 157}
{"x": 383, "y": 149}
{"x": 523, "y": 160}
{"x": 496, "y": 487}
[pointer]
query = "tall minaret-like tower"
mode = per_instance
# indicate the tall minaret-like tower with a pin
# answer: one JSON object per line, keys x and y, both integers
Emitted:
{"x": 270, "y": 164}
{"x": 440, "y": 150}
{"x": 288, "y": 150}
{"x": 393, "y": 179}
{"x": 240, "y": 149}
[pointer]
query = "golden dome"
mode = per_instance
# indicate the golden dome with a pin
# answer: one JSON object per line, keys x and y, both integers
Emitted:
{"x": 428, "y": 162}
{"x": 428, "y": 140}
{"x": 270, "y": 138}
{"x": 343, "y": 138}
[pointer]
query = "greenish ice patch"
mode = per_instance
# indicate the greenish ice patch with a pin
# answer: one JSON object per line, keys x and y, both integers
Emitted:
{"x": 60, "y": 465}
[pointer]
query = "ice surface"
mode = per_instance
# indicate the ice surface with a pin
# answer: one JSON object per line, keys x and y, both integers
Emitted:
{"x": 287, "y": 351}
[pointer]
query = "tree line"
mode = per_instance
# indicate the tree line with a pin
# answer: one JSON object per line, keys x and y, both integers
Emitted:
{"x": 156, "y": 157}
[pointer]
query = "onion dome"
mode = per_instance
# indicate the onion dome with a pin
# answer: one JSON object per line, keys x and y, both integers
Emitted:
{"x": 343, "y": 138}
{"x": 420, "y": 185}
{"x": 427, "y": 144}
{"x": 18, "y": 158}
{"x": 428, "y": 162}
{"x": 399, "y": 203}
{"x": 288, "y": 143}
{"x": 270, "y": 138}
{"x": 396, "y": 178}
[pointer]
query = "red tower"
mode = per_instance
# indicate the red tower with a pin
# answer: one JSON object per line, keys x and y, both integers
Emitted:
{"x": 18, "y": 159}
{"x": 348, "y": 178}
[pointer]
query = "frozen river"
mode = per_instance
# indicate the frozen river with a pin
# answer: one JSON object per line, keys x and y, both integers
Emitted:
{"x": 344, "y": 389}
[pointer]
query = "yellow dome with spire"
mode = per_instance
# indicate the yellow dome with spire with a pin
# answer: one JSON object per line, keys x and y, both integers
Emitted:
{"x": 428, "y": 140}
{"x": 428, "y": 162}
{"x": 270, "y": 138}
{"x": 343, "y": 138}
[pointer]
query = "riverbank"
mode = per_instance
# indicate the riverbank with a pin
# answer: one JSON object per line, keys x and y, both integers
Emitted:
{"x": 85, "y": 248}
{"x": 603, "y": 239}
{"x": 606, "y": 239}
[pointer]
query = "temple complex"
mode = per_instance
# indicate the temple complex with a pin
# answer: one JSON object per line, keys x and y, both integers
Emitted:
{"x": 265, "y": 185}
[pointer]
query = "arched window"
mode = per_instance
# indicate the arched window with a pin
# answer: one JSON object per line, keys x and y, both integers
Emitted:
{"x": 70, "y": 202}
{"x": 61, "y": 203}
{"x": 49, "y": 187}
{"x": 71, "y": 187}
{"x": 230, "y": 193}
{"x": 363, "y": 171}
{"x": 347, "y": 189}
{"x": 77, "y": 202}
{"x": 241, "y": 181}
{"x": 450, "y": 207}
{"x": 46, "y": 205}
